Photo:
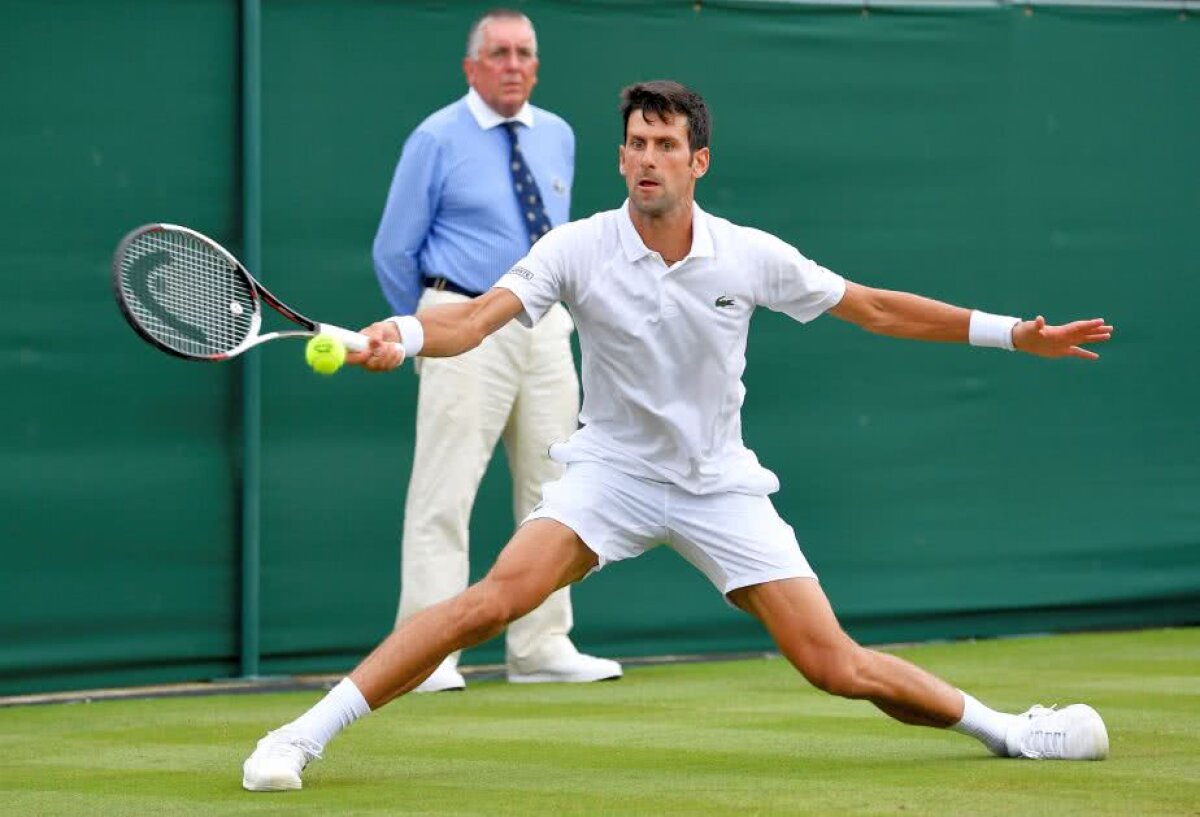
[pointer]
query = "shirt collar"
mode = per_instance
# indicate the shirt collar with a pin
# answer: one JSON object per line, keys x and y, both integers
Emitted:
{"x": 635, "y": 249}
{"x": 488, "y": 119}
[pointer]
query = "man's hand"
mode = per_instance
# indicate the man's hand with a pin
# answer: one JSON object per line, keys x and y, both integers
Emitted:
{"x": 385, "y": 352}
{"x": 1036, "y": 338}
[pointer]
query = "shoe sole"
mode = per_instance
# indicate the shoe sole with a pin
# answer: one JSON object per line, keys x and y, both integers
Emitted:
{"x": 274, "y": 786}
{"x": 454, "y": 683}
{"x": 552, "y": 678}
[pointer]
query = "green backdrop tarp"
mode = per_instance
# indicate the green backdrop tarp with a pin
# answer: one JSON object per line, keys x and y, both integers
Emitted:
{"x": 1015, "y": 161}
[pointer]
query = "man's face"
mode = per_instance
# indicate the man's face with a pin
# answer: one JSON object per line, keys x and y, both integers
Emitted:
{"x": 506, "y": 70}
{"x": 659, "y": 169}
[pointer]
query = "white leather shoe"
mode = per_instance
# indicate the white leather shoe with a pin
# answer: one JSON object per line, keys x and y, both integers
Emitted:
{"x": 1075, "y": 732}
{"x": 444, "y": 679}
{"x": 568, "y": 667}
{"x": 277, "y": 761}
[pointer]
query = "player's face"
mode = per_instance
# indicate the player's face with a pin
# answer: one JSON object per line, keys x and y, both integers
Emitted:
{"x": 660, "y": 170}
{"x": 506, "y": 70}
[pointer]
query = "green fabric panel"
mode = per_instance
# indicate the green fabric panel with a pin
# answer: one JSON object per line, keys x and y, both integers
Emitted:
{"x": 118, "y": 523}
{"x": 990, "y": 157}
{"x": 987, "y": 157}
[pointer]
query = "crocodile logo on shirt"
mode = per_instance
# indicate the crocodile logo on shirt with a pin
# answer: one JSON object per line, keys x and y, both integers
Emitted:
{"x": 724, "y": 302}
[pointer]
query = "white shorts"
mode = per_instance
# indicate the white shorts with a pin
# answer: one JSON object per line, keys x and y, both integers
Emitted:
{"x": 736, "y": 540}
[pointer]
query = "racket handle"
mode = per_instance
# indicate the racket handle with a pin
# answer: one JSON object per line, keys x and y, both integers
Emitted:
{"x": 351, "y": 340}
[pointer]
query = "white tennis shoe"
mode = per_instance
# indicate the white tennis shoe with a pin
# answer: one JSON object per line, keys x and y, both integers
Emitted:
{"x": 568, "y": 667}
{"x": 277, "y": 761}
{"x": 443, "y": 679}
{"x": 1044, "y": 733}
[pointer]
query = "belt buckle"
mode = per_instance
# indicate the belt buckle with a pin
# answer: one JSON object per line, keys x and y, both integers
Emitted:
{"x": 440, "y": 284}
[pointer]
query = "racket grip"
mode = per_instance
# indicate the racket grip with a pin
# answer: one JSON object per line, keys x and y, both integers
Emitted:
{"x": 351, "y": 340}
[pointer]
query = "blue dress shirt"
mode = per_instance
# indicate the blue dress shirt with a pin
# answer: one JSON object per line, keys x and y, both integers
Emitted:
{"x": 451, "y": 211}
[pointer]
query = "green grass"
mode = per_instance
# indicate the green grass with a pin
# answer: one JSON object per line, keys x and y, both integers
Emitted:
{"x": 744, "y": 738}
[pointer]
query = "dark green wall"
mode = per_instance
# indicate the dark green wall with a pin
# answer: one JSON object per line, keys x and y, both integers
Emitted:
{"x": 117, "y": 522}
{"x": 1018, "y": 162}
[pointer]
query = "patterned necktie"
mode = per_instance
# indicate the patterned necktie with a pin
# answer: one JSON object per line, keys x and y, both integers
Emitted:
{"x": 529, "y": 198}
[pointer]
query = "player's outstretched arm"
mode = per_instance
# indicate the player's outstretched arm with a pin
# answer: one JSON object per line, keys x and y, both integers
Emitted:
{"x": 904, "y": 315}
{"x": 446, "y": 330}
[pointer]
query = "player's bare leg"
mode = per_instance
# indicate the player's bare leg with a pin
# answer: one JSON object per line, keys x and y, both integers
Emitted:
{"x": 799, "y": 618}
{"x": 542, "y": 556}
{"x": 797, "y": 614}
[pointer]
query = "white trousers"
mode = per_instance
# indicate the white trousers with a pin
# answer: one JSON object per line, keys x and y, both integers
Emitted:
{"x": 519, "y": 385}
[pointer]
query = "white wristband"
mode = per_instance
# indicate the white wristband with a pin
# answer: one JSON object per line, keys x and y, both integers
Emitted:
{"x": 412, "y": 334}
{"x": 992, "y": 330}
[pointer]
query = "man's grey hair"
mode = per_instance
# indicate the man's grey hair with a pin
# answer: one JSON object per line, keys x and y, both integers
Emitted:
{"x": 475, "y": 37}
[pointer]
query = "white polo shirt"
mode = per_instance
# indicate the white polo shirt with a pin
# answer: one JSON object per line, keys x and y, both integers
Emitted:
{"x": 664, "y": 348}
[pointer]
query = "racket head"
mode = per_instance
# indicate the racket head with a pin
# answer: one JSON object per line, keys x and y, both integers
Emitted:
{"x": 184, "y": 293}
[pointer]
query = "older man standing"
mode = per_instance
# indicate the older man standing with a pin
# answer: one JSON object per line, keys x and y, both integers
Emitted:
{"x": 478, "y": 183}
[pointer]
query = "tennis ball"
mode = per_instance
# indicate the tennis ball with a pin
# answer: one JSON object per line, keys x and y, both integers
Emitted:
{"x": 325, "y": 354}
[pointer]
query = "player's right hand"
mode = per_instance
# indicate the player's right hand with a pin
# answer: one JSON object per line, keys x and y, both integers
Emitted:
{"x": 385, "y": 352}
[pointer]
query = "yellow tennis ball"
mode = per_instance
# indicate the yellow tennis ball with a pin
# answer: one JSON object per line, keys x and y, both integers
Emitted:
{"x": 325, "y": 354}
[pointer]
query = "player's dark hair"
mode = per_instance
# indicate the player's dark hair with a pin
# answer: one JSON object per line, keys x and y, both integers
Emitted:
{"x": 663, "y": 99}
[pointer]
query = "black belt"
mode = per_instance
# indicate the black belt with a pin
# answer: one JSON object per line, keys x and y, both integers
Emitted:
{"x": 448, "y": 285}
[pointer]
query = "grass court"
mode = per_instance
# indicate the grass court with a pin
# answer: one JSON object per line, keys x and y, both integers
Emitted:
{"x": 746, "y": 737}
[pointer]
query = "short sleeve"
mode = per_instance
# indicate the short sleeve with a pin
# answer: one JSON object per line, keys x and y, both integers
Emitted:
{"x": 793, "y": 284}
{"x": 539, "y": 279}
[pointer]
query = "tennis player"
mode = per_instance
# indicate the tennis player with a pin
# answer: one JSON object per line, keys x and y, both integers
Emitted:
{"x": 662, "y": 293}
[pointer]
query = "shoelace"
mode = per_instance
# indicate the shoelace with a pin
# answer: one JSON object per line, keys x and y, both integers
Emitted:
{"x": 286, "y": 747}
{"x": 1039, "y": 741}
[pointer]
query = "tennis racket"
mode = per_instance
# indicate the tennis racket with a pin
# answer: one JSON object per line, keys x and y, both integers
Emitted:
{"x": 187, "y": 295}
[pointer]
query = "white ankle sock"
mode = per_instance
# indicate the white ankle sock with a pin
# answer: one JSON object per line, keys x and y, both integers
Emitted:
{"x": 341, "y": 707}
{"x": 987, "y": 725}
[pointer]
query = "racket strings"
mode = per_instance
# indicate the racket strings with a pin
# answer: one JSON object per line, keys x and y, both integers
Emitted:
{"x": 186, "y": 295}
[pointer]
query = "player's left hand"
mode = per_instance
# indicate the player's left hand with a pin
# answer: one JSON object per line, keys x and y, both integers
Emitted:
{"x": 1038, "y": 338}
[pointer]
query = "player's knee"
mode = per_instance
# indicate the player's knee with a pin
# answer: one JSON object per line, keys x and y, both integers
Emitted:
{"x": 482, "y": 613}
{"x": 490, "y": 605}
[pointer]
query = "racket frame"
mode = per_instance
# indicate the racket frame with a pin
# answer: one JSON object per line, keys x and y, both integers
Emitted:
{"x": 258, "y": 294}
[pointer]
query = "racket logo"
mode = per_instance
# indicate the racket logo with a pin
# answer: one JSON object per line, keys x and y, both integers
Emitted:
{"x": 144, "y": 286}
